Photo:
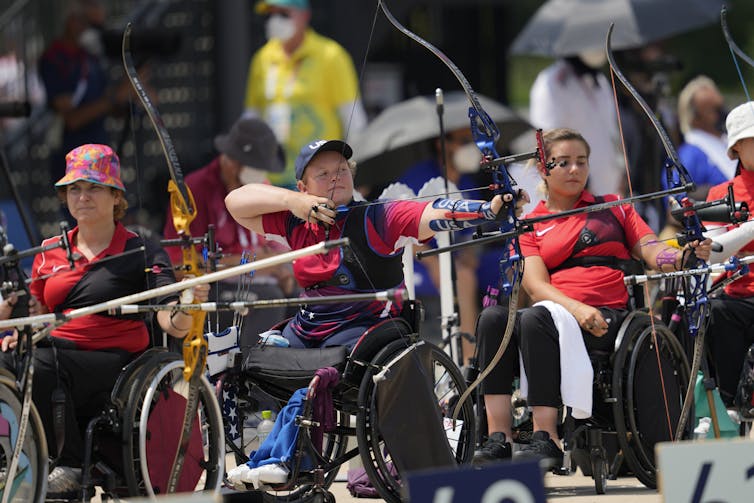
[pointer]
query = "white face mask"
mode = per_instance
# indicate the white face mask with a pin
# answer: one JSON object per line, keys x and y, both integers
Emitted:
{"x": 91, "y": 40}
{"x": 279, "y": 27}
{"x": 251, "y": 175}
{"x": 466, "y": 158}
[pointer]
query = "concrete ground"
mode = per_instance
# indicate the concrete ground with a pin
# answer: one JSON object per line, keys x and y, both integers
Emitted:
{"x": 574, "y": 488}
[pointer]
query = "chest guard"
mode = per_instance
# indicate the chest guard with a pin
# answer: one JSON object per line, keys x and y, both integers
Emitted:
{"x": 592, "y": 235}
{"x": 361, "y": 267}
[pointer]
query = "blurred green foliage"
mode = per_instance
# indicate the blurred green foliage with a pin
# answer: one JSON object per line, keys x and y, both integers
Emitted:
{"x": 702, "y": 51}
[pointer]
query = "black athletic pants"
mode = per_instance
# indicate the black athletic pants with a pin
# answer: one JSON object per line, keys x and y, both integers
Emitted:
{"x": 536, "y": 336}
{"x": 86, "y": 378}
{"x": 728, "y": 336}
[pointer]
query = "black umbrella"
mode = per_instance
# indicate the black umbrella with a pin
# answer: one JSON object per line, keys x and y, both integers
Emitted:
{"x": 401, "y": 134}
{"x": 569, "y": 27}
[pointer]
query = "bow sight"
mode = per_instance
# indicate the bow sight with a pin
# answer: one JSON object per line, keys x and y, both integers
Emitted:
{"x": 724, "y": 210}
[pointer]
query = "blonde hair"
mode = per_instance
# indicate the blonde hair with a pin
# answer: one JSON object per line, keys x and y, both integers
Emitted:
{"x": 686, "y": 109}
{"x": 550, "y": 138}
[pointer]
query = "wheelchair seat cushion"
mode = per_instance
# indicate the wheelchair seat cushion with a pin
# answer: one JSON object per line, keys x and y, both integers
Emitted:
{"x": 291, "y": 368}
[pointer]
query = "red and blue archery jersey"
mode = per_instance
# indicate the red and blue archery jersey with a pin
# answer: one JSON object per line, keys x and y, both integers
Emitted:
{"x": 372, "y": 262}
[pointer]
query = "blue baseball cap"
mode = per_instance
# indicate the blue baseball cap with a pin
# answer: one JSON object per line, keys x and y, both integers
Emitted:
{"x": 315, "y": 148}
{"x": 263, "y": 6}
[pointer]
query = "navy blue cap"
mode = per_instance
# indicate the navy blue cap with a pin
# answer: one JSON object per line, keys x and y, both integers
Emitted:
{"x": 316, "y": 147}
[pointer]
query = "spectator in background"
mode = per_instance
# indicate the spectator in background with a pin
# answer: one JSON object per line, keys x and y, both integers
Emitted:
{"x": 573, "y": 93}
{"x": 303, "y": 84}
{"x": 461, "y": 162}
{"x": 701, "y": 116}
{"x": 77, "y": 86}
{"x": 246, "y": 154}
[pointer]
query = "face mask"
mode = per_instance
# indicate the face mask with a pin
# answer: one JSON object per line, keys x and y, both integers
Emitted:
{"x": 594, "y": 59}
{"x": 279, "y": 27}
{"x": 91, "y": 40}
{"x": 251, "y": 175}
{"x": 466, "y": 158}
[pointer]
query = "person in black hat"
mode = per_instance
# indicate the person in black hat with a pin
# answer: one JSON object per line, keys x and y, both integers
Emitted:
{"x": 246, "y": 154}
{"x": 323, "y": 208}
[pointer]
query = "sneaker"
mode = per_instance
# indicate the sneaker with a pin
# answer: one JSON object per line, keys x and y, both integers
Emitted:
{"x": 542, "y": 448}
{"x": 63, "y": 481}
{"x": 496, "y": 448}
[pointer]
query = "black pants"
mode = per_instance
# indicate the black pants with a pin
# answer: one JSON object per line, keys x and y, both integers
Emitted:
{"x": 490, "y": 328}
{"x": 536, "y": 336}
{"x": 86, "y": 378}
{"x": 729, "y": 335}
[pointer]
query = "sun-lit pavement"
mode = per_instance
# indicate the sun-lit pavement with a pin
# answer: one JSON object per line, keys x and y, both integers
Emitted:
{"x": 562, "y": 489}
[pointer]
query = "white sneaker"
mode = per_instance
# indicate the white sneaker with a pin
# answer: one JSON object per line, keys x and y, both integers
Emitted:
{"x": 238, "y": 474}
{"x": 273, "y": 474}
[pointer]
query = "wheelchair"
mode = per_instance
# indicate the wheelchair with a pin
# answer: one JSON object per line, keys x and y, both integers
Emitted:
{"x": 389, "y": 374}
{"x": 30, "y": 481}
{"x": 638, "y": 394}
{"x": 638, "y": 391}
{"x": 131, "y": 443}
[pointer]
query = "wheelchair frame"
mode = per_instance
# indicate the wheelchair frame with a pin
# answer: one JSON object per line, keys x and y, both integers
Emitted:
{"x": 355, "y": 397}
{"x": 34, "y": 483}
{"x": 620, "y": 398}
{"x": 126, "y": 423}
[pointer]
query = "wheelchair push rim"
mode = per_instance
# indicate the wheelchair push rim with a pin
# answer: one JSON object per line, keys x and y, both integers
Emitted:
{"x": 640, "y": 421}
{"x": 30, "y": 481}
{"x": 165, "y": 395}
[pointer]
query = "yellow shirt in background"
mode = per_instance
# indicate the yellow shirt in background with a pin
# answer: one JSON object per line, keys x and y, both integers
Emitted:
{"x": 299, "y": 96}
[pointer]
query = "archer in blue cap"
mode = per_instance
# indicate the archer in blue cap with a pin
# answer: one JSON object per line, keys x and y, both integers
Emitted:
{"x": 311, "y": 149}
{"x": 323, "y": 208}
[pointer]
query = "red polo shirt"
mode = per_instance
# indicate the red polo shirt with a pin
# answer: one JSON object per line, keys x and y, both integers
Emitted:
{"x": 611, "y": 233}
{"x": 743, "y": 190}
{"x": 61, "y": 289}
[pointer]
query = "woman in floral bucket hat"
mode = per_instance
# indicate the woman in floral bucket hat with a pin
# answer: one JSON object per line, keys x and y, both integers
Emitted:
{"x": 88, "y": 353}
{"x": 732, "y": 320}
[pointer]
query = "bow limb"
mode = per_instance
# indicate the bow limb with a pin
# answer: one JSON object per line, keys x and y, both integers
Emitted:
{"x": 735, "y": 50}
{"x": 486, "y": 135}
{"x": 183, "y": 210}
{"x": 695, "y": 289}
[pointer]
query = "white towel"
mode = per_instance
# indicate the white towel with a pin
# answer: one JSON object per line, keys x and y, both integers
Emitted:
{"x": 576, "y": 373}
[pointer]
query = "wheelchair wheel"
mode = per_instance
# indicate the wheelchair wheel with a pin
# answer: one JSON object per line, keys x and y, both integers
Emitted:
{"x": 649, "y": 381}
{"x": 30, "y": 481}
{"x": 599, "y": 473}
{"x": 448, "y": 384}
{"x": 152, "y": 428}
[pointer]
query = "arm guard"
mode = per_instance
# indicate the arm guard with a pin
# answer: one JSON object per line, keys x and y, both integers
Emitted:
{"x": 461, "y": 214}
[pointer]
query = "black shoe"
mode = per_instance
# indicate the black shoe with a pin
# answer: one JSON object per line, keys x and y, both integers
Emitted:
{"x": 496, "y": 448}
{"x": 542, "y": 448}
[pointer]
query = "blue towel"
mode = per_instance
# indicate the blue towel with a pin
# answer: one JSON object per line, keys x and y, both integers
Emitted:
{"x": 280, "y": 444}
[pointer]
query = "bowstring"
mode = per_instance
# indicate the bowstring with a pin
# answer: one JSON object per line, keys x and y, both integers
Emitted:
{"x": 357, "y": 260}
{"x": 735, "y": 51}
{"x": 646, "y": 288}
